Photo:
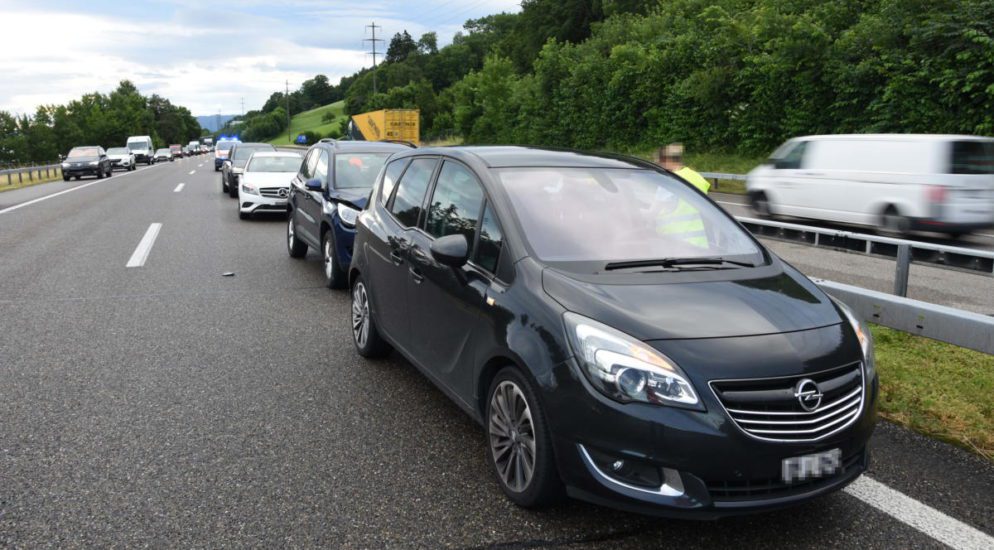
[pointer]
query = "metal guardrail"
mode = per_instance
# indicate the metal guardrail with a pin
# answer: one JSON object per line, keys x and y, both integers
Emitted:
{"x": 723, "y": 176}
{"x": 944, "y": 324}
{"x": 10, "y": 176}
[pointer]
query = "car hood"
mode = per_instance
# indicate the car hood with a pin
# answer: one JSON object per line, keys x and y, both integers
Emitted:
{"x": 778, "y": 300}
{"x": 119, "y": 157}
{"x": 355, "y": 197}
{"x": 82, "y": 159}
{"x": 268, "y": 179}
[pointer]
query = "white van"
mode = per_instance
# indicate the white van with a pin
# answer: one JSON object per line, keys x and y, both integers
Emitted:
{"x": 899, "y": 182}
{"x": 141, "y": 147}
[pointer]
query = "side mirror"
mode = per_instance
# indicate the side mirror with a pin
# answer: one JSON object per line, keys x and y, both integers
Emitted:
{"x": 451, "y": 250}
{"x": 314, "y": 184}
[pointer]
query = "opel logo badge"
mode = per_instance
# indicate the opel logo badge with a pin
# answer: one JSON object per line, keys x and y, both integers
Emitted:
{"x": 283, "y": 192}
{"x": 808, "y": 394}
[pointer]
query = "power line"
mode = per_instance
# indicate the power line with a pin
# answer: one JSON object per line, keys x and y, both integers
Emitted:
{"x": 373, "y": 41}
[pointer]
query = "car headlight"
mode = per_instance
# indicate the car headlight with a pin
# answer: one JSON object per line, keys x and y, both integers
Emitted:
{"x": 864, "y": 336}
{"x": 347, "y": 214}
{"x": 94, "y": 163}
{"x": 624, "y": 368}
{"x": 249, "y": 189}
{"x": 65, "y": 165}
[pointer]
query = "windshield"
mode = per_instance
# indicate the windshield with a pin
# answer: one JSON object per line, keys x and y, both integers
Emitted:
{"x": 224, "y": 145}
{"x": 83, "y": 152}
{"x": 609, "y": 215}
{"x": 162, "y": 152}
{"x": 137, "y": 145}
{"x": 973, "y": 157}
{"x": 358, "y": 170}
{"x": 274, "y": 164}
{"x": 242, "y": 153}
{"x": 118, "y": 151}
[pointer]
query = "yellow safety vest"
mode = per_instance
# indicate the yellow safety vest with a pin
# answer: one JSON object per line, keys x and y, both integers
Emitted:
{"x": 694, "y": 178}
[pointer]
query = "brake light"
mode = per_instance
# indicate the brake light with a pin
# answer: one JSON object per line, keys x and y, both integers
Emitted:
{"x": 936, "y": 193}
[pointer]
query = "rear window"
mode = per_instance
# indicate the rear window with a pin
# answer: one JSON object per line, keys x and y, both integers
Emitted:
{"x": 972, "y": 157}
{"x": 224, "y": 145}
{"x": 118, "y": 151}
{"x": 273, "y": 164}
{"x": 242, "y": 153}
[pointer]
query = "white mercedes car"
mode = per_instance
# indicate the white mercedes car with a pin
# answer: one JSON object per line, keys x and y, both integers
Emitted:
{"x": 265, "y": 184}
{"x": 121, "y": 157}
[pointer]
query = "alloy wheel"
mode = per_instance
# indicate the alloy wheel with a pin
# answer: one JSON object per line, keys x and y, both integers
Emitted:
{"x": 289, "y": 234}
{"x": 512, "y": 436}
{"x": 329, "y": 260}
{"x": 360, "y": 314}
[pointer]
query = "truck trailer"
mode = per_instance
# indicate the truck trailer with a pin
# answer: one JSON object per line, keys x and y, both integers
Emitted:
{"x": 386, "y": 125}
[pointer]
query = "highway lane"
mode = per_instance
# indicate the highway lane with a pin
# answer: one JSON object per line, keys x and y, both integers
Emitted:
{"x": 969, "y": 291}
{"x": 167, "y": 405}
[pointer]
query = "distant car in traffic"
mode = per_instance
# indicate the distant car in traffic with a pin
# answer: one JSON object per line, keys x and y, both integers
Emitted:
{"x": 327, "y": 194}
{"x": 620, "y": 337}
{"x": 265, "y": 184}
{"x": 234, "y": 165}
{"x": 88, "y": 160}
{"x": 142, "y": 148}
{"x": 121, "y": 157}
{"x": 221, "y": 150}
{"x": 163, "y": 154}
{"x": 897, "y": 182}
{"x": 176, "y": 150}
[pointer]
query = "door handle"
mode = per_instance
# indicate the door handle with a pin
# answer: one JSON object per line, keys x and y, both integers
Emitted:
{"x": 416, "y": 275}
{"x": 396, "y": 257}
{"x": 419, "y": 255}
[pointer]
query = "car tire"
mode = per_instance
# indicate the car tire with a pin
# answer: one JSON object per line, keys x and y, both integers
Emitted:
{"x": 518, "y": 435}
{"x": 224, "y": 185}
{"x": 893, "y": 223}
{"x": 77, "y": 177}
{"x": 334, "y": 275}
{"x": 365, "y": 334}
{"x": 65, "y": 178}
{"x": 100, "y": 174}
{"x": 296, "y": 247}
{"x": 244, "y": 215}
{"x": 232, "y": 191}
{"x": 760, "y": 204}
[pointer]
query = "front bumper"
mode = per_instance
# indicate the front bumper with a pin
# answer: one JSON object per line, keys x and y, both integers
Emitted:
{"x": 708, "y": 466}
{"x": 81, "y": 171}
{"x": 252, "y": 204}
{"x": 120, "y": 164}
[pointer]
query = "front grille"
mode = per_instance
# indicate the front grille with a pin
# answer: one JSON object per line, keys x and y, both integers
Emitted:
{"x": 273, "y": 192}
{"x": 769, "y": 408}
{"x": 750, "y": 489}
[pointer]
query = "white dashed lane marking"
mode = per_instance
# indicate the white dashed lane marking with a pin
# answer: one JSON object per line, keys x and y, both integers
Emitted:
{"x": 145, "y": 246}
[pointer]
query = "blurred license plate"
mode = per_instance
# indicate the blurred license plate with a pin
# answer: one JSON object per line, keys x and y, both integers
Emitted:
{"x": 801, "y": 468}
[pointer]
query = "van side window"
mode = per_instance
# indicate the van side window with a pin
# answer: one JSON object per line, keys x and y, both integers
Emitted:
{"x": 390, "y": 177}
{"x": 455, "y": 203}
{"x": 792, "y": 160}
{"x": 410, "y": 192}
{"x": 972, "y": 157}
{"x": 487, "y": 254}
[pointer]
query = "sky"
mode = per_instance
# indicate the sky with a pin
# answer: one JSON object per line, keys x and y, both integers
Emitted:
{"x": 206, "y": 55}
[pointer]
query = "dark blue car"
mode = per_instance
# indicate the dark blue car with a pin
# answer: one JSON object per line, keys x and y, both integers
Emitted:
{"x": 326, "y": 196}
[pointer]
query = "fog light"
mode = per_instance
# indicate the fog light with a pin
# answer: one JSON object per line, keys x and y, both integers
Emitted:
{"x": 627, "y": 470}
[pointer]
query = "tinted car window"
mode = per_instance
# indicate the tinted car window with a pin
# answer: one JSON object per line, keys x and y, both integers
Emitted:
{"x": 491, "y": 239}
{"x": 390, "y": 177}
{"x": 973, "y": 157}
{"x": 358, "y": 170}
{"x": 321, "y": 167}
{"x": 307, "y": 167}
{"x": 455, "y": 204}
{"x": 118, "y": 151}
{"x": 791, "y": 159}
{"x": 406, "y": 205}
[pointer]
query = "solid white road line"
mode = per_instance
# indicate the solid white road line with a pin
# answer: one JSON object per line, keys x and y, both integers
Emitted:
{"x": 77, "y": 188}
{"x": 179, "y": 188}
{"x": 926, "y": 519}
{"x": 145, "y": 246}
{"x": 192, "y": 172}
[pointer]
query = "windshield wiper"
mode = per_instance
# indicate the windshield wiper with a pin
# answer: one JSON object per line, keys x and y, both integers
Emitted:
{"x": 676, "y": 262}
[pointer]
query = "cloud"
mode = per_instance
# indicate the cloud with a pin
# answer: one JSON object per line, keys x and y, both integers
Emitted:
{"x": 205, "y": 56}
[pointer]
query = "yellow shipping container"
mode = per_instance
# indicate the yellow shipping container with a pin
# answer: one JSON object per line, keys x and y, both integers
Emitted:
{"x": 389, "y": 124}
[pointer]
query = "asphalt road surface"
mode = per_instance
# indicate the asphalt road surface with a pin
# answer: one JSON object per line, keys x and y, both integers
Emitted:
{"x": 165, "y": 405}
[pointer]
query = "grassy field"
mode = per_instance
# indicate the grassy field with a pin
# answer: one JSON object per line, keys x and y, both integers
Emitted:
{"x": 936, "y": 389}
{"x": 29, "y": 179}
{"x": 311, "y": 121}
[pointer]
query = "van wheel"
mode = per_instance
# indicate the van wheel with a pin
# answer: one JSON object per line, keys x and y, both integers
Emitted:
{"x": 365, "y": 334}
{"x": 519, "y": 443}
{"x": 760, "y": 204}
{"x": 893, "y": 223}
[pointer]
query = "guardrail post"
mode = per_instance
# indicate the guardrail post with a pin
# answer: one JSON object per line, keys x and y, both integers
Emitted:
{"x": 901, "y": 274}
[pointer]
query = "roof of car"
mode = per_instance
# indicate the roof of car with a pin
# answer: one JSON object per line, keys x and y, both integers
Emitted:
{"x": 263, "y": 154}
{"x": 505, "y": 156}
{"x": 362, "y": 146}
{"x": 895, "y": 137}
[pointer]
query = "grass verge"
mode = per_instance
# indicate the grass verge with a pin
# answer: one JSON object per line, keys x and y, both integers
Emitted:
{"x": 313, "y": 121}
{"x": 29, "y": 180}
{"x": 937, "y": 389}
